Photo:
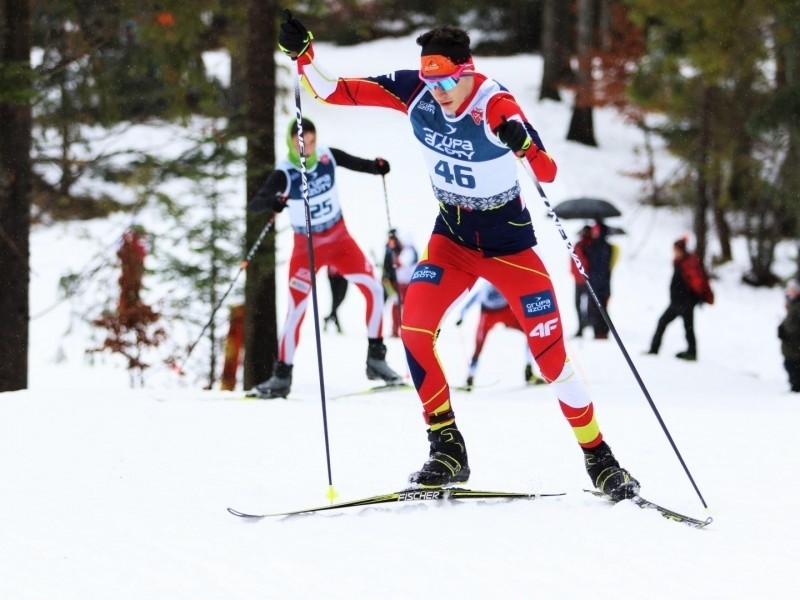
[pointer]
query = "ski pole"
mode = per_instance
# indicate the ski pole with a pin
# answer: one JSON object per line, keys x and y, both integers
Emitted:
{"x": 244, "y": 264}
{"x": 607, "y": 319}
{"x": 312, "y": 268}
{"x": 386, "y": 202}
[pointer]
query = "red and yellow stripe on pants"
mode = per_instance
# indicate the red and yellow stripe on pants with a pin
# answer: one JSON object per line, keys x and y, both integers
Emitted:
{"x": 445, "y": 272}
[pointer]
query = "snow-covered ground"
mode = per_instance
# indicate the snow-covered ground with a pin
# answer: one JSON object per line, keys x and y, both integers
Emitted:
{"x": 108, "y": 492}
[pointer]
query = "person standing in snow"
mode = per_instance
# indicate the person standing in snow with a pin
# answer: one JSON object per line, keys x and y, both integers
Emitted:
{"x": 789, "y": 334}
{"x": 599, "y": 255}
{"x": 494, "y": 311}
{"x": 688, "y": 288}
{"x": 400, "y": 259}
{"x": 338, "y": 285}
{"x": 582, "y": 297}
{"x": 333, "y": 246}
{"x": 472, "y": 132}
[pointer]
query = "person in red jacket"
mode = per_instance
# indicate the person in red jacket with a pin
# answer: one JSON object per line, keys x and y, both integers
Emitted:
{"x": 688, "y": 288}
{"x": 472, "y": 133}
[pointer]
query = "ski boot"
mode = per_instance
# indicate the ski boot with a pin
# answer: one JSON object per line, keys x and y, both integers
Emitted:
{"x": 447, "y": 462}
{"x": 606, "y": 474}
{"x": 376, "y": 363}
{"x": 470, "y": 383}
{"x": 279, "y": 384}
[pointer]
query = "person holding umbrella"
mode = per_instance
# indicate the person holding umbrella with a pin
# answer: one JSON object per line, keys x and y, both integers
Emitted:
{"x": 599, "y": 256}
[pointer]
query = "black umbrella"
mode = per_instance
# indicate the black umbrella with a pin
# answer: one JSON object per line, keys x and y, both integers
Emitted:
{"x": 586, "y": 208}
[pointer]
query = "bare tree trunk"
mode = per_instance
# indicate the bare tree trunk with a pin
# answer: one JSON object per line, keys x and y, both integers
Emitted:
{"x": 703, "y": 162}
{"x": 720, "y": 223}
{"x": 15, "y": 198}
{"x": 261, "y": 331}
{"x": 555, "y": 49}
{"x": 604, "y": 23}
{"x": 581, "y": 127}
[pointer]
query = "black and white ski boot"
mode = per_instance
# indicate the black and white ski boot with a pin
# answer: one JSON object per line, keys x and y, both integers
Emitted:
{"x": 447, "y": 462}
{"x": 376, "y": 363}
{"x": 606, "y": 474}
{"x": 279, "y": 384}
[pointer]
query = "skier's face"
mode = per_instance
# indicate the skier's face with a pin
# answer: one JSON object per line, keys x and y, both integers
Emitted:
{"x": 452, "y": 100}
{"x": 309, "y": 142}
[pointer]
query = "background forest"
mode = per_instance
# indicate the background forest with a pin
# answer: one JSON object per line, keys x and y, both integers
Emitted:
{"x": 722, "y": 80}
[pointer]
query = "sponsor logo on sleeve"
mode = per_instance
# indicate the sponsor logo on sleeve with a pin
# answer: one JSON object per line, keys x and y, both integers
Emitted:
{"x": 427, "y": 273}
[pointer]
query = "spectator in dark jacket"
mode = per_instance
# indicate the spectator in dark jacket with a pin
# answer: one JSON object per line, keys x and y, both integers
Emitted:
{"x": 582, "y": 297}
{"x": 789, "y": 334}
{"x": 688, "y": 288}
{"x": 598, "y": 253}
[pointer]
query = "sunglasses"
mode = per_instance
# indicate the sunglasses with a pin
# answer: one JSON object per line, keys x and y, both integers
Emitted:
{"x": 431, "y": 64}
{"x": 446, "y": 84}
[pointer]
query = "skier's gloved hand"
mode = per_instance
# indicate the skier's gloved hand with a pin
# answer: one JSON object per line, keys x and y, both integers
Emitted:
{"x": 382, "y": 166}
{"x": 294, "y": 38}
{"x": 514, "y": 135}
{"x": 278, "y": 202}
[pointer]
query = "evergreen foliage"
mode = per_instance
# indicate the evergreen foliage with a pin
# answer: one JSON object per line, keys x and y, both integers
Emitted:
{"x": 710, "y": 69}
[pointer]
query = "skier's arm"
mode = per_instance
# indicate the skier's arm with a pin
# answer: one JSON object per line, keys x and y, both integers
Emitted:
{"x": 385, "y": 91}
{"x": 272, "y": 193}
{"x": 378, "y": 166}
{"x": 394, "y": 90}
{"x": 509, "y": 123}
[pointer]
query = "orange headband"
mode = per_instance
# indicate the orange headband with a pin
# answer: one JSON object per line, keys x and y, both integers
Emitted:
{"x": 437, "y": 65}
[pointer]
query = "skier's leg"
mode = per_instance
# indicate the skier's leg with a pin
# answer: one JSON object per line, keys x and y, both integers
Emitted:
{"x": 525, "y": 282}
{"x": 438, "y": 281}
{"x": 353, "y": 264}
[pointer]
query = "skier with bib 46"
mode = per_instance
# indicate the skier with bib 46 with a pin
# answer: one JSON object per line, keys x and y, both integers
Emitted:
{"x": 472, "y": 132}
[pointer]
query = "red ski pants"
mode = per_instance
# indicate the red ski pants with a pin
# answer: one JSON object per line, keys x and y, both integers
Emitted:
{"x": 449, "y": 269}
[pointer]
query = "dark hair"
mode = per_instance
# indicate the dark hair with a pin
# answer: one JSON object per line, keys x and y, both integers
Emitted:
{"x": 680, "y": 244}
{"x": 308, "y": 126}
{"x": 447, "y": 40}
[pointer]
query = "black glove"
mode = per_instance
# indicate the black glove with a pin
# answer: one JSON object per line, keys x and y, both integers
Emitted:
{"x": 278, "y": 202}
{"x": 293, "y": 38}
{"x": 458, "y": 323}
{"x": 514, "y": 135}
{"x": 382, "y": 166}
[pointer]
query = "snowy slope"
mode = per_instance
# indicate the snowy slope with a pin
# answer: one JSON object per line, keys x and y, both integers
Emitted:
{"x": 108, "y": 492}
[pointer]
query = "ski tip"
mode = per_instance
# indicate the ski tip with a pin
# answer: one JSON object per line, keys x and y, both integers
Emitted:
{"x": 237, "y": 513}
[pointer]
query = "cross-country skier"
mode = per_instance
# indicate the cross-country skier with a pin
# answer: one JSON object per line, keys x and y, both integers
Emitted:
{"x": 333, "y": 246}
{"x": 471, "y": 131}
{"x": 494, "y": 311}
